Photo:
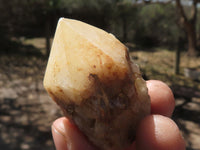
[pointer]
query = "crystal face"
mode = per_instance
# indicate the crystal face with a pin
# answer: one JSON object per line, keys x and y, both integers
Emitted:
{"x": 91, "y": 77}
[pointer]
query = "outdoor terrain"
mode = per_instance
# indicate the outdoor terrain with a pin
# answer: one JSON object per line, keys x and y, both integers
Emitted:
{"x": 159, "y": 64}
{"x": 27, "y": 112}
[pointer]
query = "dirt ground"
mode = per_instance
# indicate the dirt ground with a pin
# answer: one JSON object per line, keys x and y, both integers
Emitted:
{"x": 27, "y": 112}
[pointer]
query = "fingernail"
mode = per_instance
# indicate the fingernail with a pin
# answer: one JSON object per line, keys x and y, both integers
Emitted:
{"x": 58, "y": 132}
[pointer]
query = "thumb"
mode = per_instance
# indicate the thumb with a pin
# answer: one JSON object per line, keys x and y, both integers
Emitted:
{"x": 66, "y": 136}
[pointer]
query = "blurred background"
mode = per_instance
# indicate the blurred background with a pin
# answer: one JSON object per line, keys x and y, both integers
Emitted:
{"x": 163, "y": 37}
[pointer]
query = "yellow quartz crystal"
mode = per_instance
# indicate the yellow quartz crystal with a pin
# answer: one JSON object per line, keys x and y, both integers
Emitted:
{"x": 91, "y": 77}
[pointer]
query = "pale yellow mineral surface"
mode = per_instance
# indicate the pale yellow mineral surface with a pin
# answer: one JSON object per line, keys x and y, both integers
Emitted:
{"x": 91, "y": 77}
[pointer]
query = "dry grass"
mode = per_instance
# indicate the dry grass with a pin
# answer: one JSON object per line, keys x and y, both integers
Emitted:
{"x": 160, "y": 64}
{"x": 38, "y": 43}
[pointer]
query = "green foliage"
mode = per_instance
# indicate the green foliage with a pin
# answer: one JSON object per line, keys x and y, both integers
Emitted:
{"x": 73, "y": 6}
{"x": 156, "y": 25}
{"x": 146, "y": 25}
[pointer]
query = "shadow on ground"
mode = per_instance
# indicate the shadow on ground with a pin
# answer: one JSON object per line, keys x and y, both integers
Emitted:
{"x": 187, "y": 117}
{"x": 19, "y": 131}
{"x": 16, "y": 47}
{"x": 26, "y": 111}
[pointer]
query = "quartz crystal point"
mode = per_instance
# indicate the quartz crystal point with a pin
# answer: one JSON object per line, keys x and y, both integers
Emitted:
{"x": 91, "y": 77}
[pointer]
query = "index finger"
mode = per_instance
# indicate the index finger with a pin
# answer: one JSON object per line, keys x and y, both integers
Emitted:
{"x": 162, "y": 98}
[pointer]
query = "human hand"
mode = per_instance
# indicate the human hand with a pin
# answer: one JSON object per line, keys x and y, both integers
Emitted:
{"x": 155, "y": 132}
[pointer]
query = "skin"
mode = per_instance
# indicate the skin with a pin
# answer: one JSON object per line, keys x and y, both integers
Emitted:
{"x": 155, "y": 132}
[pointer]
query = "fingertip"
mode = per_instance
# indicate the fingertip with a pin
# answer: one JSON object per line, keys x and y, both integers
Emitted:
{"x": 157, "y": 132}
{"x": 162, "y": 98}
{"x": 66, "y": 136}
{"x": 58, "y": 133}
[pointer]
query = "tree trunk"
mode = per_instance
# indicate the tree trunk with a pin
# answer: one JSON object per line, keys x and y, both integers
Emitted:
{"x": 178, "y": 51}
{"x": 124, "y": 24}
{"x": 191, "y": 35}
{"x": 47, "y": 36}
{"x": 189, "y": 25}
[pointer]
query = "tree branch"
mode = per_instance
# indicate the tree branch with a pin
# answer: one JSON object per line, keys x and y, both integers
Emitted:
{"x": 181, "y": 11}
{"x": 194, "y": 11}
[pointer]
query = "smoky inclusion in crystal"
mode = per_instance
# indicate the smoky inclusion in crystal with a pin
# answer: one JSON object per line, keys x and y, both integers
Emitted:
{"x": 91, "y": 77}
